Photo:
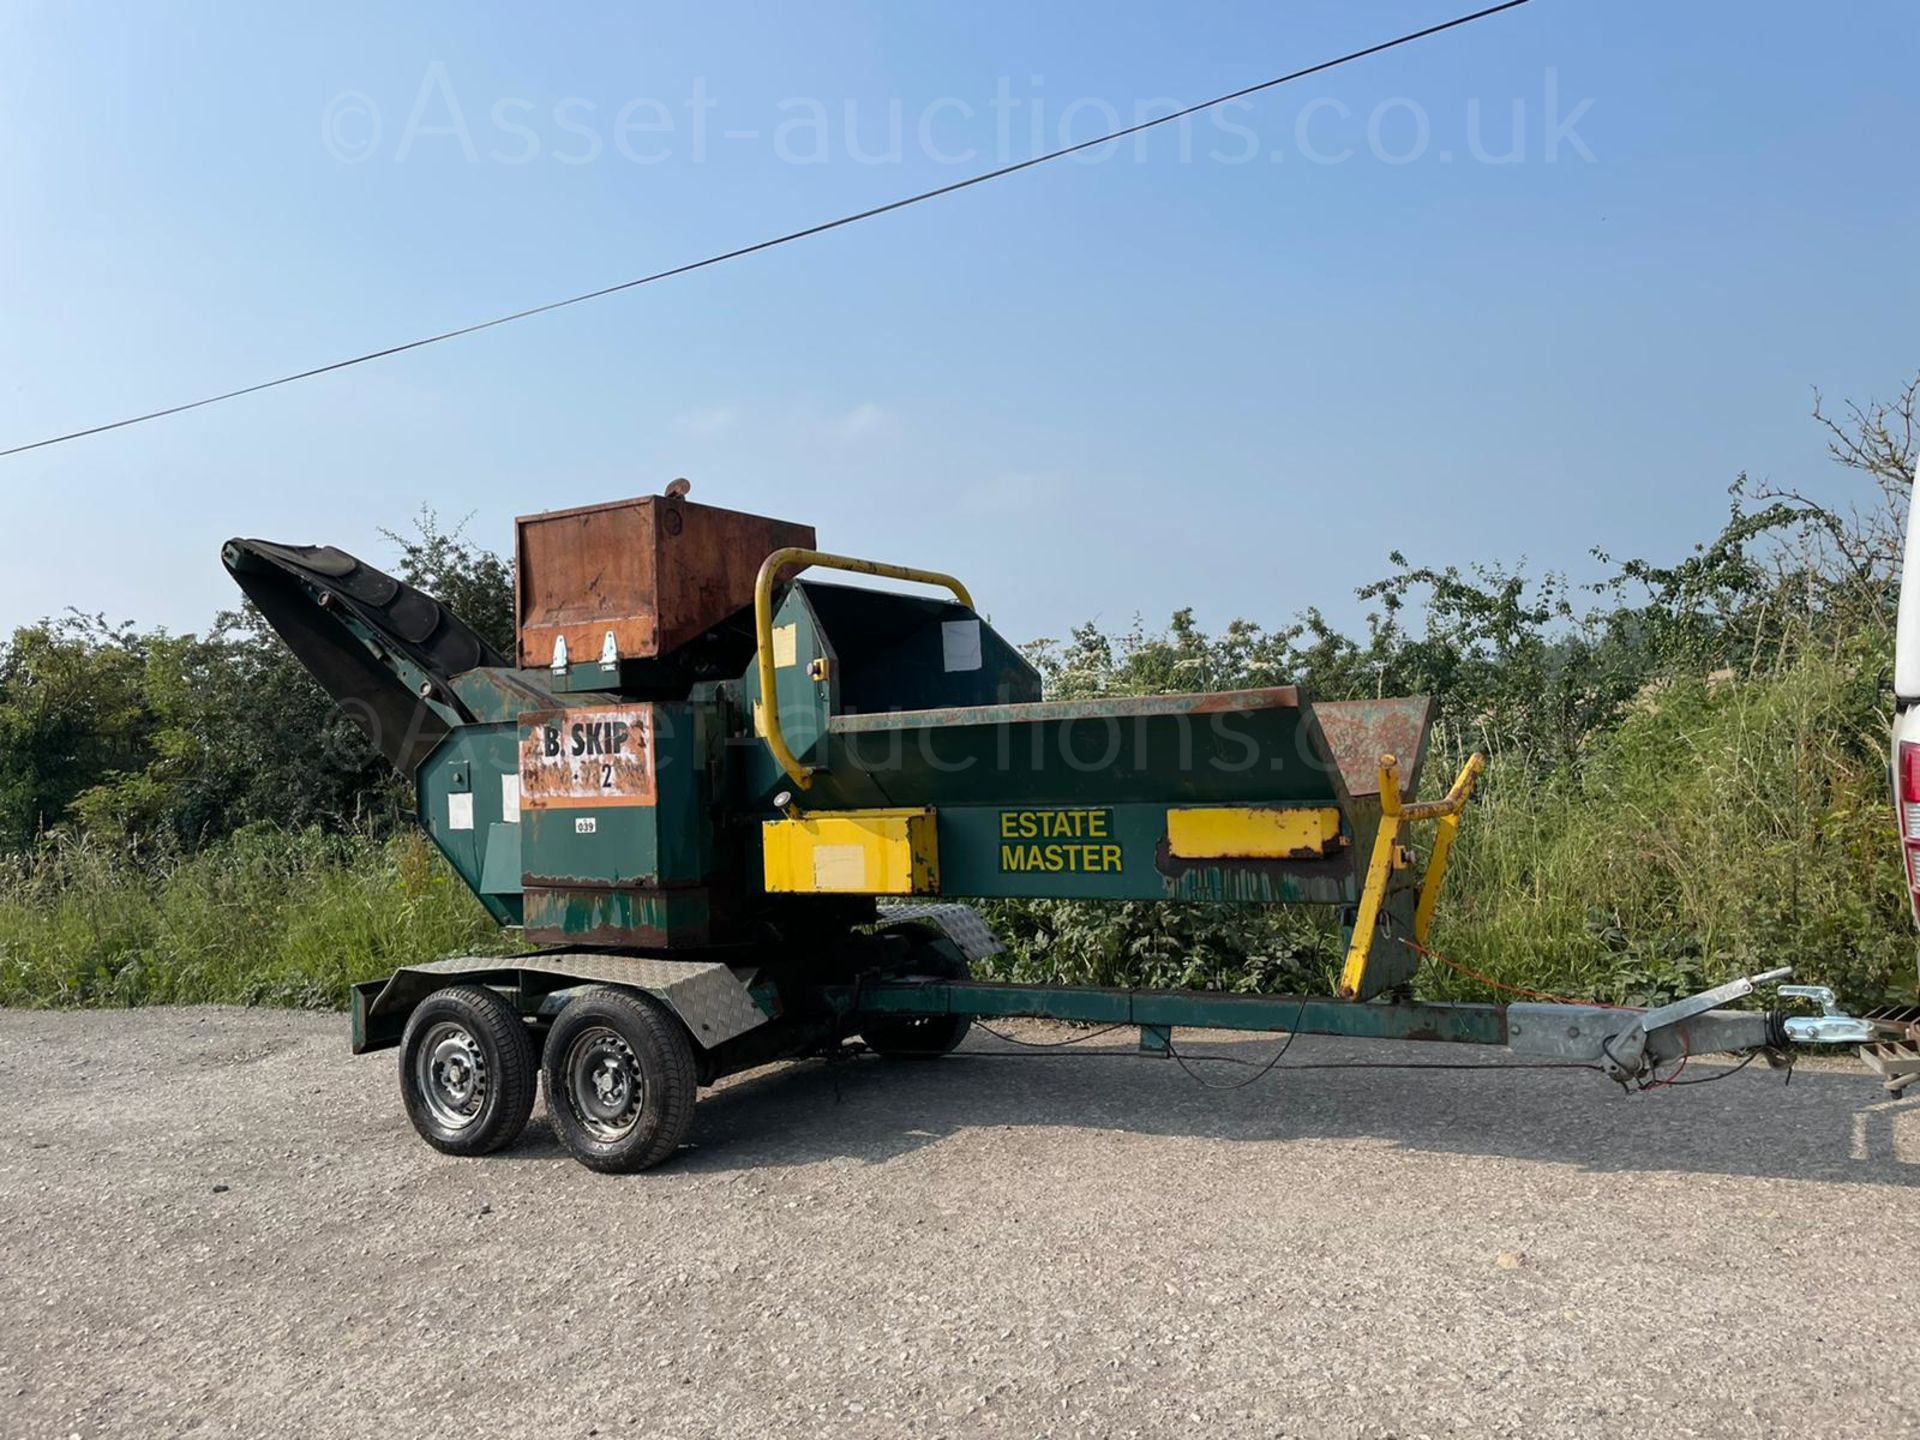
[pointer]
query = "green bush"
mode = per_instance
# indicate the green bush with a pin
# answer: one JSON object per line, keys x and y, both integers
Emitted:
{"x": 1167, "y": 945}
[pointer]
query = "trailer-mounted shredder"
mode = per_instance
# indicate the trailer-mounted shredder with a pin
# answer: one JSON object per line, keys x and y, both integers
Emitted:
{"x": 733, "y": 807}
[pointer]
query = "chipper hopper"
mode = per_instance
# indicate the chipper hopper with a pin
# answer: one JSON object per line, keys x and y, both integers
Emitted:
{"x": 732, "y": 807}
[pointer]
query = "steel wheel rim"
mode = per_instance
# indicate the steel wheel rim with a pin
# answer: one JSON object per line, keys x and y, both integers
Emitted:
{"x": 450, "y": 1071}
{"x": 605, "y": 1089}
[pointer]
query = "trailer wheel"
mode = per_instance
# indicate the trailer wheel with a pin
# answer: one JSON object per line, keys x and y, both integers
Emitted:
{"x": 923, "y": 1037}
{"x": 467, "y": 1071}
{"x": 620, "y": 1080}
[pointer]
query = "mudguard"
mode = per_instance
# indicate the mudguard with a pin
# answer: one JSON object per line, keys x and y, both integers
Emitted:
{"x": 714, "y": 1001}
{"x": 959, "y": 923}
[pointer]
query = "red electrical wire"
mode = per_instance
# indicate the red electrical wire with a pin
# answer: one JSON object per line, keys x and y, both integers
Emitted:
{"x": 1686, "y": 1045}
{"x": 1686, "y": 1054}
{"x": 1494, "y": 984}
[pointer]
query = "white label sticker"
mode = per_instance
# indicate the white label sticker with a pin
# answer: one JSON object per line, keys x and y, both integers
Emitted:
{"x": 585, "y": 825}
{"x": 840, "y": 868}
{"x": 786, "y": 646}
{"x": 960, "y": 644}
{"x": 510, "y": 799}
{"x": 460, "y": 811}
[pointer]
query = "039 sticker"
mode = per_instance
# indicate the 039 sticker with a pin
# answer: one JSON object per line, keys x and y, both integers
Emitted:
{"x": 601, "y": 755}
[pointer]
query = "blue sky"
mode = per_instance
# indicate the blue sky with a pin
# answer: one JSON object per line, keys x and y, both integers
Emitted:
{"x": 1229, "y": 369}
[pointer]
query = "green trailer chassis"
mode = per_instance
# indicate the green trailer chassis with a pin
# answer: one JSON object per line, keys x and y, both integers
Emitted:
{"x": 1628, "y": 1044}
{"x": 1157, "y": 1012}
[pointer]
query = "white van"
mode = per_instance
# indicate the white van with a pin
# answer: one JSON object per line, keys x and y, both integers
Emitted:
{"x": 1906, "y": 709}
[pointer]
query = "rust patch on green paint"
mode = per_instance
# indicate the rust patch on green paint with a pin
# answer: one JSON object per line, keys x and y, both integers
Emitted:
{"x": 1322, "y": 880}
{"x": 623, "y": 916}
{"x": 1118, "y": 707}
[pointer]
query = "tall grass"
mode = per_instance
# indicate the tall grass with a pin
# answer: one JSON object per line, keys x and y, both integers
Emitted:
{"x": 266, "y": 917}
{"x": 1726, "y": 826}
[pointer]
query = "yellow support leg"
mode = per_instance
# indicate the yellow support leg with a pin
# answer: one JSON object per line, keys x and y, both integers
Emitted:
{"x": 1373, "y": 893}
{"x": 1394, "y": 816}
{"x": 1436, "y": 873}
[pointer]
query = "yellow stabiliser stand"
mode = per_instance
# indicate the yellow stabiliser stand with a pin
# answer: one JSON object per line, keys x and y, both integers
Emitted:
{"x": 1389, "y": 855}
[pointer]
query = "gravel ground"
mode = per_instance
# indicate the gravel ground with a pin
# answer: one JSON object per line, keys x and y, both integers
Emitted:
{"x": 216, "y": 1222}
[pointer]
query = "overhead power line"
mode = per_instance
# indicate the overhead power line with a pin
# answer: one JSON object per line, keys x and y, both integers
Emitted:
{"x": 787, "y": 239}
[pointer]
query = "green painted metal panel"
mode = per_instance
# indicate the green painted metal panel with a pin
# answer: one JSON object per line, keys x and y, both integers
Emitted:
{"x": 494, "y": 694}
{"x": 1112, "y": 852}
{"x": 590, "y": 846}
{"x": 914, "y": 652}
{"x": 586, "y": 677}
{"x": 500, "y": 868}
{"x": 1248, "y": 747}
{"x": 685, "y": 743}
{"x": 460, "y": 800}
{"x": 883, "y": 651}
{"x": 1390, "y": 962}
{"x": 805, "y": 702}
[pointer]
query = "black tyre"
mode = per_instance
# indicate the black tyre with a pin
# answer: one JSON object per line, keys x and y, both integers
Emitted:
{"x": 923, "y": 1037}
{"x": 467, "y": 1071}
{"x": 620, "y": 1077}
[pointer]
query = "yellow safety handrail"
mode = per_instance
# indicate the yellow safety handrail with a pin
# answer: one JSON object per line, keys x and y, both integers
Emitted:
{"x": 1387, "y": 857}
{"x": 773, "y": 569}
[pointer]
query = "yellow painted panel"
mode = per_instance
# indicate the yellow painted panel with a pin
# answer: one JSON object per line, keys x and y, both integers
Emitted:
{"x": 851, "y": 852}
{"x": 1267, "y": 832}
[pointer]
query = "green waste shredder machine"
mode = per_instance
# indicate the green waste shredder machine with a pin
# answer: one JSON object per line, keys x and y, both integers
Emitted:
{"x": 733, "y": 808}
